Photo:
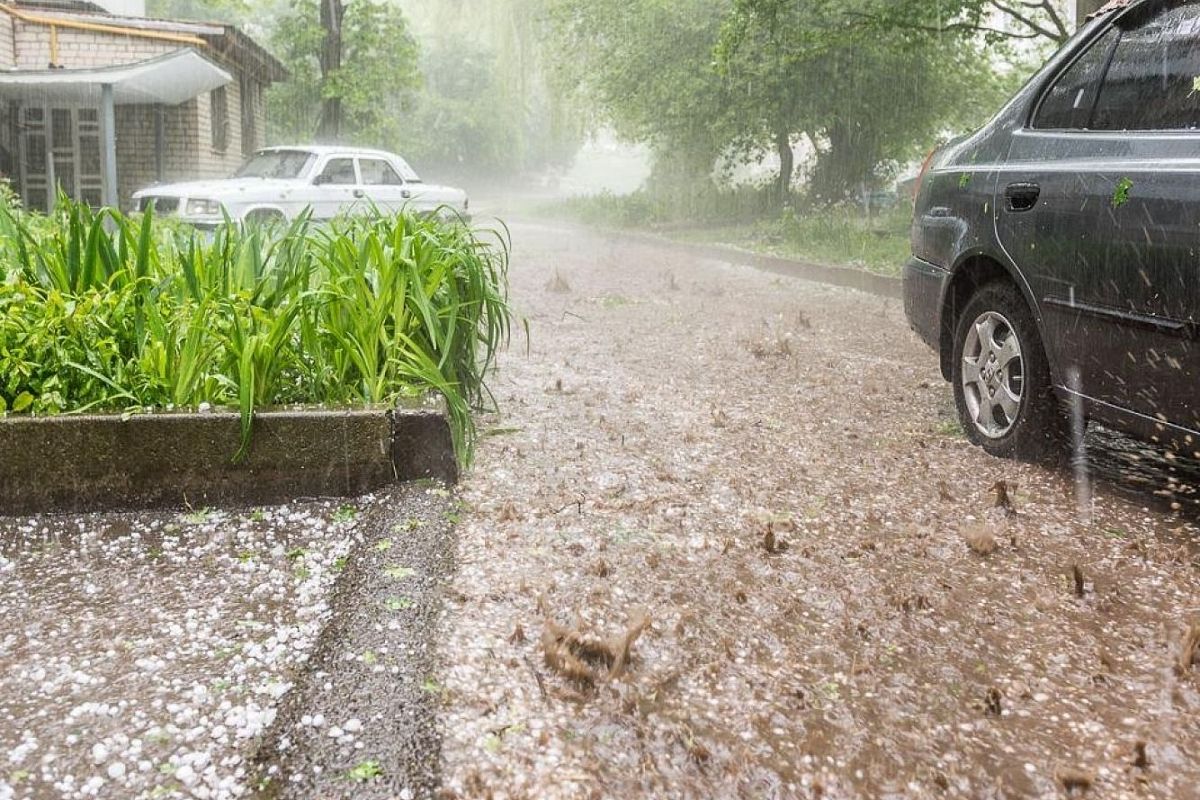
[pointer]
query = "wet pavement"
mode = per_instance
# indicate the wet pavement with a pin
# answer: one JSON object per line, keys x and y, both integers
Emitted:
{"x": 361, "y": 721}
{"x": 772, "y": 470}
{"x": 734, "y": 509}
{"x": 272, "y": 652}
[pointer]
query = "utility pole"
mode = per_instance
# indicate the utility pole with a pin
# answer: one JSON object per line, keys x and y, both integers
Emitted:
{"x": 1085, "y": 8}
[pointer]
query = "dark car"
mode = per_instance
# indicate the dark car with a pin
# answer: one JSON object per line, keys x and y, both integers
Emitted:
{"x": 1056, "y": 252}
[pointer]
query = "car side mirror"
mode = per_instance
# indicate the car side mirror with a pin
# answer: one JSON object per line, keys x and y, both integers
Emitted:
{"x": 321, "y": 180}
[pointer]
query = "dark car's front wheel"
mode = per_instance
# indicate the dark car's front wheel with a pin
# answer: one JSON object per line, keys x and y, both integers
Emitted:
{"x": 1001, "y": 377}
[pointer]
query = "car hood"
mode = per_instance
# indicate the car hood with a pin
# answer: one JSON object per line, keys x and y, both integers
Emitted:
{"x": 221, "y": 189}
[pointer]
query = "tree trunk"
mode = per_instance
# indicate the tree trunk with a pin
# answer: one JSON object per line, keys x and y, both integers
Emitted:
{"x": 787, "y": 167}
{"x": 332, "y": 11}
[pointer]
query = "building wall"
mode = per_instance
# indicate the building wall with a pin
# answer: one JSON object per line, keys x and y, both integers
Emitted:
{"x": 82, "y": 49}
{"x": 187, "y": 135}
{"x": 8, "y": 47}
{"x": 136, "y": 141}
{"x": 214, "y": 163}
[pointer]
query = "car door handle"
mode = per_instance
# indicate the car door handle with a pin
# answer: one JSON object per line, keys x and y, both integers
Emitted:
{"x": 359, "y": 193}
{"x": 1022, "y": 196}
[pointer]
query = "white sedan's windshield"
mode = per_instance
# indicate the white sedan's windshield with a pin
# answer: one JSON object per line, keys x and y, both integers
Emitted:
{"x": 284, "y": 164}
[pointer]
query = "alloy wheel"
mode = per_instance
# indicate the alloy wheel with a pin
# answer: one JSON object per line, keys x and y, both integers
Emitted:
{"x": 993, "y": 375}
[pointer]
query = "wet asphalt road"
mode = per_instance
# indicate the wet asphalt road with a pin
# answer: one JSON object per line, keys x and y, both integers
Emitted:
{"x": 912, "y": 640}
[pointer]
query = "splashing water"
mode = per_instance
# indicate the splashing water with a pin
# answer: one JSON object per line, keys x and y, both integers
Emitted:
{"x": 1079, "y": 458}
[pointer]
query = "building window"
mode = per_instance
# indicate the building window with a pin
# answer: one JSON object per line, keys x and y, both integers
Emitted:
{"x": 219, "y": 104}
{"x": 250, "y": 101}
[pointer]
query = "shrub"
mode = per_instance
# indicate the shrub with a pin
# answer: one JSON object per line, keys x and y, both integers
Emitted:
{"x": 100, "y": 311}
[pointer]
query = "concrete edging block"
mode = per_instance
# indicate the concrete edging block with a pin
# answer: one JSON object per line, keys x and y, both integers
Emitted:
{"x": 126, "y": 462}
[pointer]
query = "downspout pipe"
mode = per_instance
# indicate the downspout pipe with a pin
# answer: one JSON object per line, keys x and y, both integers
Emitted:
{"x": 98, "y": 27}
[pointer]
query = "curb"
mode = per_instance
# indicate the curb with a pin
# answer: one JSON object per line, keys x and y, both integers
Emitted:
{"x": 114, "y": 463}
{"x": 846, "y": 277}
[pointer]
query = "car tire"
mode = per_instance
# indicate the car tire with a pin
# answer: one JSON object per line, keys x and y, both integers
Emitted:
{"x": 1001, "y": 378}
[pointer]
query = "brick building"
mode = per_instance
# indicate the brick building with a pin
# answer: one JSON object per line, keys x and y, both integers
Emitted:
{"x": 102, "y": 105}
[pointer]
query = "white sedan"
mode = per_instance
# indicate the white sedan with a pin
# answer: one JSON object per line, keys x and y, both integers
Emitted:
{"x": 280, "y": 183}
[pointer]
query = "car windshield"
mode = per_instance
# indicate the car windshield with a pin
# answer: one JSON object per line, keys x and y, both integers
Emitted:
{"x": 284, "y": 164}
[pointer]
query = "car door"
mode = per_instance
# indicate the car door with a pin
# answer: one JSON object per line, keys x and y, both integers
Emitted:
{"x": 333, "y": 188}
{"x": 382, "y": 185}
{"x": 1137, "y": 287}
{"x": 420, "y": 197}
{"x": 1038, "y": 211}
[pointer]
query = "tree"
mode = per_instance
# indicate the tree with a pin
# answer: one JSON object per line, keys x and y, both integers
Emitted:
{"x": 862, "y": 100}
{"x": 486, "y": 104}
{"x": 1045, "y": 21}
{"x": 645, "y": 68}
{"x": 462, "y": 119}
{"x": 355, "y": 72}
{"x": 333, "y": 14}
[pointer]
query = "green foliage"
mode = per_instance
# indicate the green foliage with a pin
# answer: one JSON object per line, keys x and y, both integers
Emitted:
{"x": 1039, "y": 21}
{"x": 709, "y": 81}
{"x": 865, "y": 99}
{"x": 484, "y": 107}
{"x": 99, "y": 311}
{"x": 461, "y": 119}
{"x": 1121, "y": 192}
{"x": 646, "y": 68}
{"x": 377, "y": 81}
{"x": 839, "y": 235}
{"x": 364, "y": 772}
{"x": 228, "y": 11}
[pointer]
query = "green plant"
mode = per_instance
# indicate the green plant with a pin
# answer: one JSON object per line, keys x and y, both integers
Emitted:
{"x": 100, "y": 311}
{"x": 365, "y": 771}
{"x": 1121, "y": 192}
{"x": 398, "y": 604}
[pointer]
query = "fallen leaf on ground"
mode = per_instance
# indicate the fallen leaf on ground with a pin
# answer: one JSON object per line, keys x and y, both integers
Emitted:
{"x": 981, "y": 539}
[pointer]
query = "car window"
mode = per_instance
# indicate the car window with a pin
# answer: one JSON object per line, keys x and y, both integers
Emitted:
{"x": 408, "y": 172}
{"x": 339, "y": 172}
{"x": 1154, "y": 80}
{"x": 377, "y": 172}
{"x": 1069, "y": 102}
{"x": 277, "y": 164}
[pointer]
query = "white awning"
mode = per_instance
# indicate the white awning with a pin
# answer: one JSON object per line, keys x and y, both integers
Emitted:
{"x": 170, "y": 79}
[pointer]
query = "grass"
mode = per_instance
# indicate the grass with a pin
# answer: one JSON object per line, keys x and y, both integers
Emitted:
{"x": 105, "y": 312}
{"x": 837, "y": 235}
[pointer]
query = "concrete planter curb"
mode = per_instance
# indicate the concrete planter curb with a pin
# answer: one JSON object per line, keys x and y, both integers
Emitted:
{"x": 112, "y": 462}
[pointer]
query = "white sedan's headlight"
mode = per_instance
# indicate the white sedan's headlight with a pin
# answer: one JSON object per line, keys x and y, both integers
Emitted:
{"x": 202, "y": 208}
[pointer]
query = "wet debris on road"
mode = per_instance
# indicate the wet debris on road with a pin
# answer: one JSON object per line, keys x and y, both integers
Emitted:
{"x": 588, "y": 658}
{"x": 981, "y": 538}
{"x": 860, "y": 663}
{"x": 1189, "y": 648}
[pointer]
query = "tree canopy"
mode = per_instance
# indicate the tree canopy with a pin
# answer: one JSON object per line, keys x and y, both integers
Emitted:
{"x": 706, "y": 79}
